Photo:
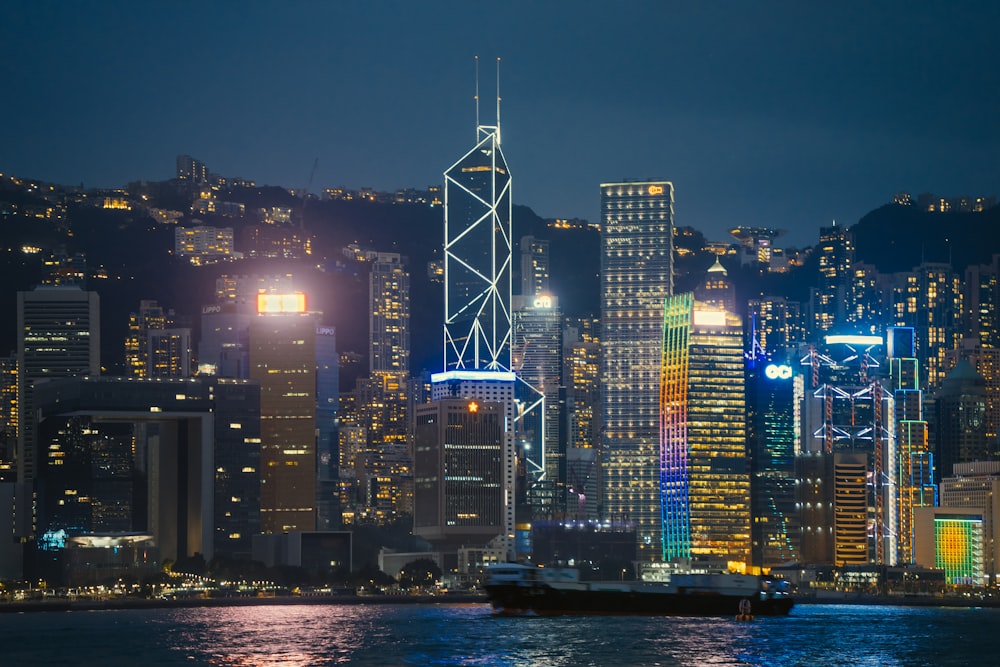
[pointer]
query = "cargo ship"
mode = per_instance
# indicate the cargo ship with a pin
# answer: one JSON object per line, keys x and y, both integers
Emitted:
{"x": 514, "y": 588}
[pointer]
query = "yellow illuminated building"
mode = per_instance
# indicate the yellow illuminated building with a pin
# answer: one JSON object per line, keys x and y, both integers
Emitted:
{"x": 705, "y": 478}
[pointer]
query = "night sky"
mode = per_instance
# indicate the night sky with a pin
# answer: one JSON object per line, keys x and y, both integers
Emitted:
{"x": 785, "y": 114}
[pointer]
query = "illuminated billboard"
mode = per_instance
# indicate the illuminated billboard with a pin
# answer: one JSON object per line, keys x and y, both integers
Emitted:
{"x": 281, "y": 303}
{"x": 709, "y": 318}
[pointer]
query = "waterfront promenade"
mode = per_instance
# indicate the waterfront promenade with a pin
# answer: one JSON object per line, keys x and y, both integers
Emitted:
{"x": 89, "y": 604}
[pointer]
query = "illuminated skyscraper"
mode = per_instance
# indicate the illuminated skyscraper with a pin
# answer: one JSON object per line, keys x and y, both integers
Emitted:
{"x": 776, "y": 322}
{"x": 328, "y": 506}
{"x": 477, "y": 324}
{"x": 534, "y": 266}
{"x": 154, "y": 347}
{"x": 283, "y": 360}
{"x": 977, "y": 486}
{"x": 636, "y": 276}
{"x": 830, "y": 297}
{"x": 538, "y": 362}
{"x": 910, "y": 463}
{"x": 581, "y": 377}
{"x": 981, "y": 302}
{"x": 705, "y": 481}
{"x": 58, "y": 335}
{"x": 384, "y": 397}
{"x": 846, "y": 425}
{"x": 389, "y": 317}
{"x": 477, "y": 257}
{"x": 8, "y": 417}
{"x": 459, "y": 458}
{"x": 928, "y": 299}
{"x": 774, "y": 393}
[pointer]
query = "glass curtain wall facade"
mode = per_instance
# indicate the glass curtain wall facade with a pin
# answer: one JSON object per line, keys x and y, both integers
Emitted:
{"x": 704, "y": 474}
{"x": 637, "y": 225}
{"x": 477, "y": 258}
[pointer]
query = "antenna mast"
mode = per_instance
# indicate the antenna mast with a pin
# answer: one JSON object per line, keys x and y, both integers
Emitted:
{"x": 498, "y": 100}
{"x": 477, "y": 97}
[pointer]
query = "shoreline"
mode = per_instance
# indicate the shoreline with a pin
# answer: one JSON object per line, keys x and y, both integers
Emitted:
{"x": 898, "y": 600}
{"x": 63, "y": 604}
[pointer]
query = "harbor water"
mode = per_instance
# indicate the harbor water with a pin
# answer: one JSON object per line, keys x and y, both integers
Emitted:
{"x": 470, "y": 634}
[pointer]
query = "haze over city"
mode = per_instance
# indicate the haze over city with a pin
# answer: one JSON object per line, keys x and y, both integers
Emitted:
{"x": 777, "y": 114}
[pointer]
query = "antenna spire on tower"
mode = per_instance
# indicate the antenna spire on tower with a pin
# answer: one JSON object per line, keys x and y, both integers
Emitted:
{"x": 477, "y": 97}
{"x": 498, "y": 100}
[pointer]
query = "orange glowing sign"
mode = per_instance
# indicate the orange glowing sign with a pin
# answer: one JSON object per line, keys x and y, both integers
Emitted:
{"x": 473, "y": 406}
{"x": 655, "y": 189}
{"x": 281, "y": 303}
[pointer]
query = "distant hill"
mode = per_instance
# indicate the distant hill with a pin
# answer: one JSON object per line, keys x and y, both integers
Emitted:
{"x": 136, "y": 254}
{"x": 898, "y": 238}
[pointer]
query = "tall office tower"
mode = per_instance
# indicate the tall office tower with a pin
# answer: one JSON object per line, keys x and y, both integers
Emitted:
{"x": 8, "y": 418}
{"x": 581, "y": 378}
{"x": 829, "y": 297}
{"x": 866, "y": 307}
{"x": 977, "y": 486}
{"x": 327, "y": 439}
{"x": 459, "y": 458}
{"x": 154, "y": 347}
{"x": 845, "y": 416}
{"x": 389, "y": 348}
{"x": 169, "y": 353}
{"x": 986, "y": 361}
{"x": 58, "y": 335}
{"x": 716, "y": 292}
{"x": 538, "y": 361}
{"x": 477, "y": 326}
{"x": 150, "y": 317}
{"x": 383, "y": 399}
{"x": 389, "y": 317}
{"x": 236, "y": 460}
{"x": 774, "y": 394}
{"x": 705, "y": 482}
{"x": 637, "y": 228}
{"x": 775, "y": 322}
{"x": 910, "y": 464}
{"x": 929, "y": 299}
{"x": 960, "y": 419}
{"x": 283, "y": 360}
{"x": 982, "y": 302}
{"x": 225, "y": 341}
{"x": 534, "y": 266}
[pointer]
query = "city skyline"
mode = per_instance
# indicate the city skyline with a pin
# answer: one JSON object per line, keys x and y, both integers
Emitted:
{"x": 814, "y": 115}
{"x": 789, "y": 422}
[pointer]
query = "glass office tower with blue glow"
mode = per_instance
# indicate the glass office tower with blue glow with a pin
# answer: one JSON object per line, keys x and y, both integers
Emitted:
{"x": 774, "y": 393}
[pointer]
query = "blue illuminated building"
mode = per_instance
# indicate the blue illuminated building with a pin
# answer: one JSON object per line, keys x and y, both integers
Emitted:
{"x": 773, "y": 395}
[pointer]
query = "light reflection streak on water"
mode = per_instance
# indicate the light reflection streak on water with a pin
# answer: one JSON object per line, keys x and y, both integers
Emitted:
{"x": 290, "y": 636}
{"x": 401, "y": 634}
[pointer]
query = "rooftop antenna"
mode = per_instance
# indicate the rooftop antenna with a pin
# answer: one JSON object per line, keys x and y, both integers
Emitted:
{"x": 477, "y": 98}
